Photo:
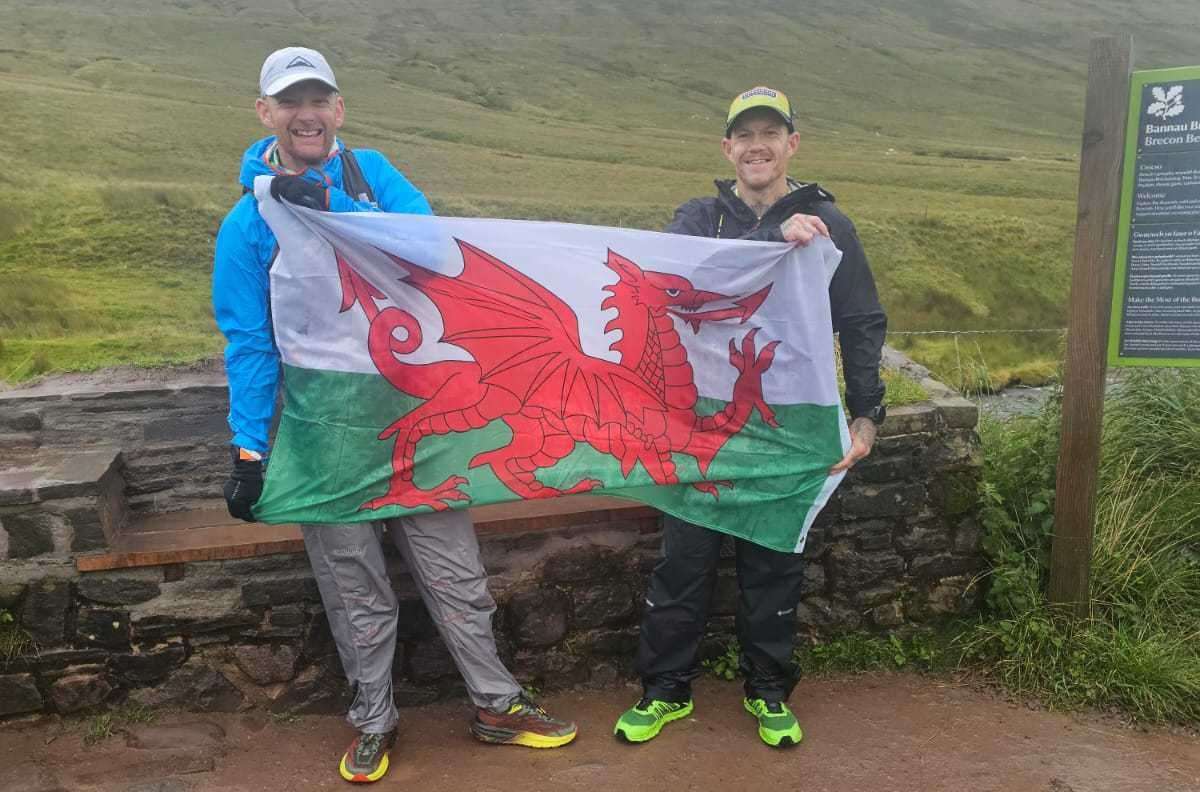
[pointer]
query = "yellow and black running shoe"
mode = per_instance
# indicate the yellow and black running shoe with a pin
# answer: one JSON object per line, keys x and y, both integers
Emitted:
{"x": 523, "y": 723}
{"x": 366, "y": 759}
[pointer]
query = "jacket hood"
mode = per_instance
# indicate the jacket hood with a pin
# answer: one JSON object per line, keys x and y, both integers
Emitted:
{"x": 254, "y": 162}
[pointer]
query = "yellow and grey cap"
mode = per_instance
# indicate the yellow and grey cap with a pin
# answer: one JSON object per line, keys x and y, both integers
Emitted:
{"x": 760, "y": 96}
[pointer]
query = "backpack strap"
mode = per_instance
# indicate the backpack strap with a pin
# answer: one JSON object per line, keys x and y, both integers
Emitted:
{"x": 353, "y": 181}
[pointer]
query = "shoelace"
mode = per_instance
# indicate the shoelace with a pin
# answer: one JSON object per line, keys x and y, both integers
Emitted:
{"x": 528, "y": 707}
{"x": 367, "y": 747}
{"x": 659, "y": 708}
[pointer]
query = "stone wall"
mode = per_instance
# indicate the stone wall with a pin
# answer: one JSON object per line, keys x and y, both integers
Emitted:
{"x": 172, "y": 432}
{"x": 897, "y": 549}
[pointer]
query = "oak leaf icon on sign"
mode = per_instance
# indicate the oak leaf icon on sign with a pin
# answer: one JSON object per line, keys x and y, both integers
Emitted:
{"x": 1168, "y": 102}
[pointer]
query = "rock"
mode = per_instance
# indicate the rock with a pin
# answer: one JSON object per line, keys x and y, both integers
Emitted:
{"x": 824, "y": 614}
{"x": 44, "y": 614}
{"x": 853, "y": 570}
{"x": 889, "y": 614}
{"x": 813, "y": 581}
{"x": 76, "y": 692}
{"x": 923, "y": 536}
{"x": 197, "y": 734}
{"x": 910, "y": 419}
{"x": 287, "y": 616}
{"x": 602, "y": 604}
{"x": 52, "y": 660}
{"x": 195, "y": 686}
{"x": 606, "y": 643}
{"x": 968, "y": 537}
{"x": 27, "y": 421}
{"x": 429, "y": 661}
{"x": 410, "y": 695}
{"x": 578, "y": 564}
{"x": 879, "y": 470}
{"x": 725, "y": 595}
{"x": 10, "y": 594}
{"x": 413, "y": 621}
{"x": 817, "y": 541}
{"x": 30, "y": 533}
{"x": 552, "y": 670}
{"x": 867, "y": 534}
{"x": 883, "y": 500}
{"x": 105, "y": 628}
{"x": 269, "y": 592}
{"x": 603, "y": 675}
{"x": 18, "y": 694}
{"x": 319, "y": 690}
{"x": 160, "y": 627}
{"x": 148, "y": 668}
{"x": 943, "y": 566}
{"x": 958, "y": 448}
{"x": 266, "y": 663}
{"x": 118, "y": 590}
{"x": 876, "y": 595}
{"x": 957, "y": 412}
{"x": 87, "y": 529}
{"x": 951, "y": 596}
{"x": 538, "y": 617}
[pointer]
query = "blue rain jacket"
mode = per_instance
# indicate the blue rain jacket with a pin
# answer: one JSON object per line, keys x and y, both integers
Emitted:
{"x": 240, "y": 287}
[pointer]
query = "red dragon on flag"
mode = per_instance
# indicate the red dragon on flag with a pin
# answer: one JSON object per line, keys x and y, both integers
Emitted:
{"x": 529, "y": 370}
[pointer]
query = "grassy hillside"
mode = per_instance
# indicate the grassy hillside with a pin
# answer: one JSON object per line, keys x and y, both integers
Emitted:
{"x": 947, "y": 128}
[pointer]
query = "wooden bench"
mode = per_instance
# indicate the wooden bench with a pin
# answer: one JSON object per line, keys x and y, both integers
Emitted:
{"x": 210, "y": 534}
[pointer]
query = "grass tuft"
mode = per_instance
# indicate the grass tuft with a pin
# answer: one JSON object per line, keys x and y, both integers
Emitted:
{"x": 1138, "y": 650}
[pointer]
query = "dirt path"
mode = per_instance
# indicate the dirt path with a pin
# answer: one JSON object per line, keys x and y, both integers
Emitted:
{"x": 886, "y": 733}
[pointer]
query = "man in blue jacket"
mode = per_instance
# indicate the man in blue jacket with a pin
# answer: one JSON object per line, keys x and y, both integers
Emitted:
{"x": 300, "y": 104}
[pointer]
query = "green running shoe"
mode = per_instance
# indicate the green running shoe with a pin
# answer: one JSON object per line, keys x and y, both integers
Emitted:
{"x": 776, "y": 724}
{"x": 646, "y": 718}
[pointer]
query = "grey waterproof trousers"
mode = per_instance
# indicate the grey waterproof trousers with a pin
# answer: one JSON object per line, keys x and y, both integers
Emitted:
{"x": 442, "y": 554}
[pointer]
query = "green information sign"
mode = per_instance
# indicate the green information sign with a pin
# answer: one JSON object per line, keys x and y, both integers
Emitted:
{"x": 1156, "y": 288}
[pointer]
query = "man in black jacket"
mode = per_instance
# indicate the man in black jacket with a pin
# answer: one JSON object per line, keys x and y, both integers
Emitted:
{"x": 762, "y": 203}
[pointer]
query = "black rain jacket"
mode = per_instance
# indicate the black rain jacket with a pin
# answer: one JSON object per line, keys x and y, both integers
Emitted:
{"x": 858, "y": 317}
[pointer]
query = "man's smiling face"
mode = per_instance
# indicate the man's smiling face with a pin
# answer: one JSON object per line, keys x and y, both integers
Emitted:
{"x": 759, "y": 146}
{"x": 305, "y": 118}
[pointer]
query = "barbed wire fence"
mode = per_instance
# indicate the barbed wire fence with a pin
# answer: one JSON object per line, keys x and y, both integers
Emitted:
{"x": 976, "y": 332}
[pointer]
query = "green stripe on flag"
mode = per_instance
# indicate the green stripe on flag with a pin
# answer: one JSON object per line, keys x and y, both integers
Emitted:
{"x": 328, "y": 461}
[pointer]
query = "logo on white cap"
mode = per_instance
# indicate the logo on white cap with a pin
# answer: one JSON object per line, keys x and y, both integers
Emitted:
{"x": 290, "y": 65}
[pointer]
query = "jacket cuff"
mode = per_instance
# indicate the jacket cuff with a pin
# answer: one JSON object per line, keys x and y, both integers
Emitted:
{"x": 863, "y": 406}
{"x": 242, "y": 440}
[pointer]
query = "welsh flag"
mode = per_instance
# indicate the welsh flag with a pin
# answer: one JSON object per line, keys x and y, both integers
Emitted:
{"x": 440, "y": 363}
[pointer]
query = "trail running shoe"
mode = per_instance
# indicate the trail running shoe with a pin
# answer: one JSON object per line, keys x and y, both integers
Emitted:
{"x": 524, "y": 723}
{"x": 777, "y": 725}
{"x": 645, "y": 719}
{"x": 366, "y": 759}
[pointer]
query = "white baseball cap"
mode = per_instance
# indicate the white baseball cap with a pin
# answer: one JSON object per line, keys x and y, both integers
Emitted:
{"x": 291, "y": 65}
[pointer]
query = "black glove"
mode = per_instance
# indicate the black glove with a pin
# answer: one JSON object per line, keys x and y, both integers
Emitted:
{"x": 300, "y": 191}
{"x": 244, "y": 486}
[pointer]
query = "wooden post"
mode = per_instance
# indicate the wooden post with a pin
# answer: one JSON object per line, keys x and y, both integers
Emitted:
{"x": 1087, "y": 332}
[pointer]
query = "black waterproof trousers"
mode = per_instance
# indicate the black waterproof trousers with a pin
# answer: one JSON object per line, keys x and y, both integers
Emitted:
{"x": 677, "y": 603}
